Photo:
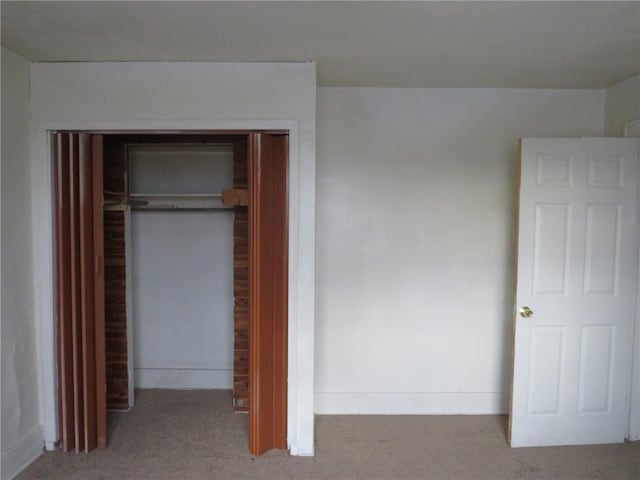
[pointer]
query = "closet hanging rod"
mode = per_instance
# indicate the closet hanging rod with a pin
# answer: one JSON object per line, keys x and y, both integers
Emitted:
{"x": 180, "y": 195}
{"x": 187, "y": 201}
{"x": 174, "y": 208}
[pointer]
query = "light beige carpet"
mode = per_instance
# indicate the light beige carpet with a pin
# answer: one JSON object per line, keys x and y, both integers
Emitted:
{"x": 195, "y": 435}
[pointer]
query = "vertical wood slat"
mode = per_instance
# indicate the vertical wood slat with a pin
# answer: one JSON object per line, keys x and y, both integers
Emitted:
{"x": 63, "y": 277}
{"x": 268, "y": 283}
{"x": 80, "y": 362}
{"x": 97, "y": 149}
{"x": 76, "y": 285}
{"x": 85, "y": 186}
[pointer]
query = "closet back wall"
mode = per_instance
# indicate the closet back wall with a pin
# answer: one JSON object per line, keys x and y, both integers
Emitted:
{"x": 182, "y": 271}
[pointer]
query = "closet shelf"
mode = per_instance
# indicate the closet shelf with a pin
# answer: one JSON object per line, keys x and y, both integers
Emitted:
{"x": 176, "y": 201}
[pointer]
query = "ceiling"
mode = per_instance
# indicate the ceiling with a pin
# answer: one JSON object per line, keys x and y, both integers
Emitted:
{"x": 385, "y": 44}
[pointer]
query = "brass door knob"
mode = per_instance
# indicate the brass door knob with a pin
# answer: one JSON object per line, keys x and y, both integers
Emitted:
{"x": 526, "y": 312}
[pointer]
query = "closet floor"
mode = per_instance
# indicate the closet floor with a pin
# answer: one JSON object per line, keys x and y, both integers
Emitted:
{"x": 195, "y": 435}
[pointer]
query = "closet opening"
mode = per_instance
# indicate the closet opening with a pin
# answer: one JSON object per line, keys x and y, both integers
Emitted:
{"x": 171, "y": 262}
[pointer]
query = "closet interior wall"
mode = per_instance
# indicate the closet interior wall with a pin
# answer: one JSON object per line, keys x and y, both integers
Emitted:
{"x": 116, "y": 187}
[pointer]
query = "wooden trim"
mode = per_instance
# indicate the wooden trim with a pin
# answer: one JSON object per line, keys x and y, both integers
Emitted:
{"x": 235, "y": 197}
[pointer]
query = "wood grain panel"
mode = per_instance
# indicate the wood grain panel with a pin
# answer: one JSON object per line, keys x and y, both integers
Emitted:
{"x": 240, "y": 284}
{"x": 115, "y": 293}
{"x": 115, "y": 276}
{"x": 115, "y": 165}
{"x": 268, "y": 283}
{"x": 79, "y": 282}
{"x": 87, "y": 293}
{"x": 76, "y": 284}
{"x": 63, "y": 293}
{"x": 97, "y": 152}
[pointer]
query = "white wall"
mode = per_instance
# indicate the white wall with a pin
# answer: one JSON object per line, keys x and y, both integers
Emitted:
{"x": 622, "y": 104}
{"x": 182, "y": 281}
{"x": 182, "y": 270}
{"x": 174, "y": 96}
{"x": 21, "y": 431}
{"x": 416, "y": 242}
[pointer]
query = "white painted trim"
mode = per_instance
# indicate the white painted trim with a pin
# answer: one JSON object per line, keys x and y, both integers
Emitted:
{"x": 183, "y": 378}
{"x": 19, "y": 456}
{"x": 411, "y": 403}
{"x": 44, "y": 281}
{"x": 300, "y": 423}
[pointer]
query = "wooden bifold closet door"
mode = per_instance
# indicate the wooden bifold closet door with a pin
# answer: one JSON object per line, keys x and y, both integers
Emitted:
{"x": 80, "y": 294}
{"x": 268, "y": 299}
{"x": 80, "y": 291}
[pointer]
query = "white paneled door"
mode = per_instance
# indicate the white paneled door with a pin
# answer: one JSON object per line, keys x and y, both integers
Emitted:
{"x": 576, "y": 291}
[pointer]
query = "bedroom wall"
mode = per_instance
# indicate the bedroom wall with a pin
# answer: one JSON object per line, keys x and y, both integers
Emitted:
{"x": 21, "y": 431}
{"x": 416, "y": 198}
{"x": 622, "y": 104}
{"x": 182, "y": 270}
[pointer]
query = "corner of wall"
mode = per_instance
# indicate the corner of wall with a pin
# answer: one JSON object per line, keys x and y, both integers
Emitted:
{"x": 20, "y": 455}
{"x": 621, "y": 105}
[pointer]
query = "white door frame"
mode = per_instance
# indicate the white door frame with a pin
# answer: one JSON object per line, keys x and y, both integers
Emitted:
{"x": 300, "y": 431}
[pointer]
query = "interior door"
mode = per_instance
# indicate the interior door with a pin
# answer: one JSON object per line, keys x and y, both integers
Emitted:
{"x": 268, "y": 282}
{"x": 576, "y": 291}
{"x": 80, "y": 291}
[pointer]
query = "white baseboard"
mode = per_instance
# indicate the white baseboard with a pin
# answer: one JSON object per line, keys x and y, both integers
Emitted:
{"x": 294, "y": 451}
{"x": 20, "y": 455}
{"x": 412, "y": 403}
{"x": 183, "y": 378}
